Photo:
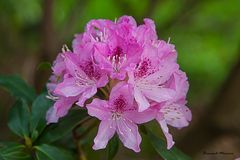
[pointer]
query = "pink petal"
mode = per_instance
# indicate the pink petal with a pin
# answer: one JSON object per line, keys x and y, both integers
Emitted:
{"x": 187, "y": 113}
{"x": 99, "y": 109}
{"x": 128, "y": 134}
{"x": 72, "y": 64}
{"x": 168, "y": 136}
{"x": 127, "y": 20}
{"x": 59, "y": 109}
{"x": 158, "y": 94}
{"x": 101, "y": 52}
{"x": 118, "y": 75}
{"x": 100, "y": 24}
{"x": 181, "y": 85}
{"x": 102, "y": 81}
{"x": 146, "y": 32}
{"x": 121, "y": 89}
{"x": 77, "y": 43}
{"x": 69, "y": 88}
{"x": 126, "y": 25}
{"x": 176, "y": 115}
{"x": 59, "y": 65}
{"x": 88, "y": 93}
{"x": 131, "y": 74}
{"x": 143, "y": 103}
{"x": 166, "y": 69}
{"x": 51, "y": 115}
{"x": 140, "y": 117}
{"x": 106, "y": 131}
{"x": 166, "y": 51}
{"x": 150, "y": 52}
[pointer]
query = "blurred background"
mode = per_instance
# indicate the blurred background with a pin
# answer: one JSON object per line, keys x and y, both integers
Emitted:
{"x": 207, "y": 37}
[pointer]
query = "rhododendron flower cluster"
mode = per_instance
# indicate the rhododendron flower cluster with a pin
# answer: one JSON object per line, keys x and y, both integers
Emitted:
{"x": 136, "y": 72}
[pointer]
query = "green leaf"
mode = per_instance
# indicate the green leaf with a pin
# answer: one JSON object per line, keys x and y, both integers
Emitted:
{"x": 17, "y": 87}
{"x": 160, "y": 146}
{"x": 13, "y": 151}
{"x": 38, "y": 120}
{"x": 63, "y": 127}
{"x": 112, "y": 148}
{"x": 18, "y": 119}
{"x": 48, "y": 152}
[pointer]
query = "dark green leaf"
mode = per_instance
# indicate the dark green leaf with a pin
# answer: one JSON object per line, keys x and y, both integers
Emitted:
{"x": 112, "y": 148}
{"x": 13, "y": 151}
{"x": 160, "y": 146}
{"x": 48, "y": 152}
{"x": 65, "y": 126}
{"x": 18, "y": 119}
{"x": 38, "y": 120}
{"x": 17, "y": 87}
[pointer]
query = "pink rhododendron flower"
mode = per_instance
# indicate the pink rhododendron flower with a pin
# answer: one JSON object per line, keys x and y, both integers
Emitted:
{"x": 83, "y": 78}
{"x": 59, "y": 69}
{"x": 115, "y": 46}
{"x": 60, "y": 108}
{"x": 149, "y": 76}
{"x": 128, "y": 76}
{"x": 174, "y": 112}
{"x": 146, "y": 32}
{"x": 119, "y": 115}
{"x": 62, "y": 104}
{"x": 80, "y": 82}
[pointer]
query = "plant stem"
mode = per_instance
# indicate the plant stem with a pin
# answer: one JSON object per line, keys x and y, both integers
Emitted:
{"x": 76, "y": 138}
{"x": 82, "y": 122}
{"x": 104, "y": 92}
{"x": 88, "y": 130}
{"x": 81, "y": 155}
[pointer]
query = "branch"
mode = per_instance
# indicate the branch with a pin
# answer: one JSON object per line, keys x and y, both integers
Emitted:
{"x": 48, "y": 45}
{"x": 81, "y": 155}
{"x": 93, "y": 125}
{"x": 76, "y": 138}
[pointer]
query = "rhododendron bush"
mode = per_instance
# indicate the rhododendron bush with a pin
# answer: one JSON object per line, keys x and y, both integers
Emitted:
{"x": 118, "y": 76}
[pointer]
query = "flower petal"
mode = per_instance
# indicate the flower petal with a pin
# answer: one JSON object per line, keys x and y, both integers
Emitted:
{"x": 98, "y": 108}
{"x": 121, "y": 89}
{"x": 168, "y": 136}
{"x": 166, "y": 69}
{"x": 59, "y": 65}
{"x": 106, "y": 131}
{"x": 158, "y": 94}
{"x": 128, "y": 21}
{"x": 100, "y": 56}
{"x": 166, "y": 51}
{"x": 102, "y": 81}
{"x": 69, "y": 88}
{"x": 128, "y": 134}
{"x": 72, "y": 64}
{"x": 121, "y": 74}
{"x": 143, "y": 103}
{"x": 140, "y": 117}
{"x": 88, "y": 93}
{"x": 146, "y": 32}
{"x": 176, "y": 115}
{"x": 59, "y": 109}
{"x": 181, "y": 85}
